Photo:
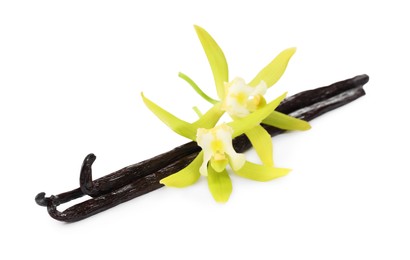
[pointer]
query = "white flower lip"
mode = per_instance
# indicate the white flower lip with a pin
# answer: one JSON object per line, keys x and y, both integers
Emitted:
{"x": 237, "y": 101}
{"x": 216, "y": 143}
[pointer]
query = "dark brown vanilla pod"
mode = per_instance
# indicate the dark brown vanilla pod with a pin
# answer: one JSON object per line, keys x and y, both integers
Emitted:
{"x": 119, "y": 187}
{"x": 309, "y": 97}
{"x": 124, "y": 176}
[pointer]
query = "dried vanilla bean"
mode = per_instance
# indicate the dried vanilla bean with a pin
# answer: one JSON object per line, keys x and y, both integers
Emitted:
{"x": 143, "y": 177}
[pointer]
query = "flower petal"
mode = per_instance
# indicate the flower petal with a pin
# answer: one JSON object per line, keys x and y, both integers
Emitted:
{"x": 216, "y": 59}
{"x": 179, "y": 126}
{"x": 262, "y": 143}
{"x": 275, "y": 69}
{"x": 207, "y": 155}
{"x": 286, "y": 122}
{"x": 219, "y": 184}
{"x": 185, "y": 177}
{"x": 258, "y": 172}
{"x": 197, "y": 89}
{"x": 244, "y": 124}
{"x": 236, "y": 160}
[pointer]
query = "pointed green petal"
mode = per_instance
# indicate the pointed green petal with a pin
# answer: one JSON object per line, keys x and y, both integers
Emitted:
{"x": 216, "y": 59}
{"x": 274, "y": 70}
{"x": 197, "y": 89}
{"x": 258, "y": 172}
{"x": 262, "y": 143}
{"x": 185, "y": 177}
{"x": 244, "y": 124}
{"x": 286, "y": 122}
{"x": 219, "y": 184}
{"x": 210, "y": 118}
{"x": 181, "y": 127}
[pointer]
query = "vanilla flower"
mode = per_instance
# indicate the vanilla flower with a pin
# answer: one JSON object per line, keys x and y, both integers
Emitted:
{"x": 245, "y": 103}
{"x": 216, "y": 143}
{"x": 242, "y": 99}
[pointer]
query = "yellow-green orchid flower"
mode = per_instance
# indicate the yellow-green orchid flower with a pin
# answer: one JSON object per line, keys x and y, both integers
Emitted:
{"x": 216, "y": 143}
{"x": 239, "y": 99}
{"x": 247, "y": 107}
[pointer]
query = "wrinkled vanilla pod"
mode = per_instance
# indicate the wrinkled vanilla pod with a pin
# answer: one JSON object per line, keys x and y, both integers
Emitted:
{"x": 143, "y": 177}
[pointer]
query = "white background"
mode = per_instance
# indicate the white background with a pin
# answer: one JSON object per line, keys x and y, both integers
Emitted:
{"x": 71, "y": 73}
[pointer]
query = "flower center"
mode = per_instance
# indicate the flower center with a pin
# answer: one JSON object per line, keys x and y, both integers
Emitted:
{"x": 217, "y": 147}
{"x": 242, "y": 99}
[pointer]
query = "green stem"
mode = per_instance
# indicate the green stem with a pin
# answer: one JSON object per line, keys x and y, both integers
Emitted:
{"x": 197, "y": 111}
{"x": 197, "y": 89}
